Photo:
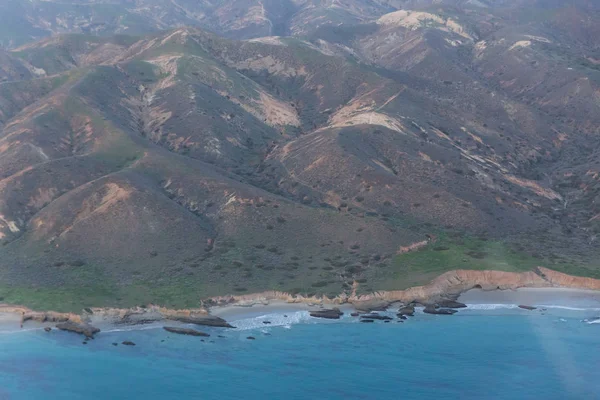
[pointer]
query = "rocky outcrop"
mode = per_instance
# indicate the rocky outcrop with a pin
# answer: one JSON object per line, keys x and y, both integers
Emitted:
{"x": 408, "y": 310}
{"x": 377, "y": 317}
{"x": 82, "y": 329}
{"x": 185, "y": 331}
{"x": 333, "y": 313}
{"x": 205, "y": 320}
{"x": 450, "y": 304}
{"x": 439, "y": 311}
{"x": 371, "y": 305}
{"x": 528, "y": 308}
{"x": 128, "y": 343}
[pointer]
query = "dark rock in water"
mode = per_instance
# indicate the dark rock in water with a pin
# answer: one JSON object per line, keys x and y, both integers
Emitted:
{"x": 450, "y": 304}
{"x": 82, "y": 329}
{"x": 285, "y": 316}
{"x": 115, "y": 344}
{"x": 83, "y": 342}
{"x": 367, "y": 320}
{"x": 371, "y": 305}
{"x": 530, "y": 308}
{"x": 402, "y": 317}
{"x": 387, "y": 322}
{"x": 334, "y": 313}
{"x": 377, "y": 317}
{"x": 439, "y": 311}
{"x": 128, "y": 343}
{"x": 408, "y": 310}
{"x": 221, "y": 336}
{"x": 355, "y": 314}
{"x": 47, "y": 329}
{"x": 267, "y": 322}
{"x": 251, "y": 338}
{"x": 205, "y": 320}
{"x": 185, "y": 331}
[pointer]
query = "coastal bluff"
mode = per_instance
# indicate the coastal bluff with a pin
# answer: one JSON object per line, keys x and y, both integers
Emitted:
{"x": 447, "y": 286}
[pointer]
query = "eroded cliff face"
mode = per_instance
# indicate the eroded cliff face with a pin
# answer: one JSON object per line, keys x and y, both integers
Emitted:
{"x": 38, "y": 316}
{"x": 568, "y": 281}
{"x": 447, "y": 286}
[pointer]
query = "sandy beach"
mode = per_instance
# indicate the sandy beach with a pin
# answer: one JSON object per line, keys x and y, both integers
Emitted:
{"x": 557, "y": 297}
{"x": 542, "y": 288}
{"x": 235, "y": 312}
{"x": 553, "y": 297}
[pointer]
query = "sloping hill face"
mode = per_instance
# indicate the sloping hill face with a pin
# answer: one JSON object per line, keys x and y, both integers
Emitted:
{"x": 137, "y": 177}
{"x": 241, "y": 19}
{"x": 178, "y": 165}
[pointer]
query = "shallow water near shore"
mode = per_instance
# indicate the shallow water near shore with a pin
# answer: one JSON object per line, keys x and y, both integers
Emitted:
{"x": 486, "y": 351}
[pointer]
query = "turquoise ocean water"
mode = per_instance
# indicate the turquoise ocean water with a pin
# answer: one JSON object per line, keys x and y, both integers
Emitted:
{"x": 500, "y": 353}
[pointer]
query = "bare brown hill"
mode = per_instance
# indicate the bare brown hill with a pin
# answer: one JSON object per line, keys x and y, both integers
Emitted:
{"x": 179, "y": 165}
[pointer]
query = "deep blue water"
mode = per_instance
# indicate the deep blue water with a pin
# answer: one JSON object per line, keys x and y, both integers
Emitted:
{"x": 498, "y": 354}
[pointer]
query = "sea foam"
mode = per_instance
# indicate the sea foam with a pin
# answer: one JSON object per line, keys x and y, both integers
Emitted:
{"x": 279, "y": 319}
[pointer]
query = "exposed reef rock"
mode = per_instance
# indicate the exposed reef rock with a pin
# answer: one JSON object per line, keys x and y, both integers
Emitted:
{"x": 370, "y": 305}
{"x": 439, "y": 311}
{"x": 82, "y": 329}
{"x": 408, "y": 310}
{"x": 529, "y": 308}
{"x": 377, "y": 317}
{"x": 185, "y": 331}
{"x": 205, "y": 320}
{"x": 450, "y": 304}
{"x": 333, "y": 313}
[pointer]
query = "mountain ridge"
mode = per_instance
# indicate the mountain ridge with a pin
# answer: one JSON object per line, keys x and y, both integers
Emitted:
{"x": 136, "y": 168}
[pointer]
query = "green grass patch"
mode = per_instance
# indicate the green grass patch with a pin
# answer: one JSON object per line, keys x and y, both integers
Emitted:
{"x": 447, "y": 254}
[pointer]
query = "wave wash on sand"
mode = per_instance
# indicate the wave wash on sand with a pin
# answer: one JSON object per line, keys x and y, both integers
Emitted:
{"x": 449, "y": 285}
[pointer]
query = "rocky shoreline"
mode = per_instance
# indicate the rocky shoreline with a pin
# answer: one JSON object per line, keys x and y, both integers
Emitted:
{"x": 438, "y": 297}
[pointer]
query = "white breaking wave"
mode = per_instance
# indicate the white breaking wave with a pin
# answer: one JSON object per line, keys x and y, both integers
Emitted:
{"x": 594, "y": 321}
{"x": 514, "y": 306}
{"x": 570, "y": 308}
{"x": 491, "y": 306}
{"x": 293, "y": 318}
{"x": 132, "y": 328}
